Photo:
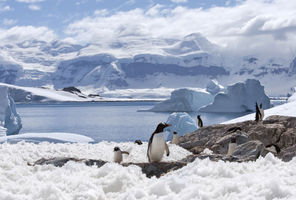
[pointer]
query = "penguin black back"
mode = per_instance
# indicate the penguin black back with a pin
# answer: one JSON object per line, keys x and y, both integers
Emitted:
{"x": 139, "y": 142}
{"x": 200, "y": 123}
{"x": 258, "y": 114}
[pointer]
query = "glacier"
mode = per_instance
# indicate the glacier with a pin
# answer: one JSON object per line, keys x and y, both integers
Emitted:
{"x": 184, "y": 99}
{"x": 240, "y": 97}
{"x": 9, "y": 118}
{"x": 213, "y": 87}
{"x": 181, "y": 122}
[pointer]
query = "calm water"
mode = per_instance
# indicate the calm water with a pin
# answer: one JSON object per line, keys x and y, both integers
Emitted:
{"x": 110, "y": 121}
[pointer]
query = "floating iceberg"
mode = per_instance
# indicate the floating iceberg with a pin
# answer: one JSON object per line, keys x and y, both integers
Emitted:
{"x": 9, "y": 118}
{"x": 182, "y": 123}
{"x": 185, "y": 99}
{"x": 240, "y": 97}
{"x": 213, "y": 87}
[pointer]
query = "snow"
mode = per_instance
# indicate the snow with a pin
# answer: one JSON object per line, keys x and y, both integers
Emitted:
{"x": 287, "y": 109}
{"x": 266, "y": 178}
{"x": 182, "y": 123}
{"x": 240, "y": 97}
{"x": 184, "y": 99}
{"x": 53, "y": 136}
{"x": 9, "y": 118}
{"x": 213, "y": 87}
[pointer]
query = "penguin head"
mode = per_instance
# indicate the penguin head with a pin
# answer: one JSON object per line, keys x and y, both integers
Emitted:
{"x": 233, "y": 140}
{"x": 116, "y": 149}
{"x": 198, "y": 116}
{"x": 161, "y": 126}
{"x": 175, "y": 133}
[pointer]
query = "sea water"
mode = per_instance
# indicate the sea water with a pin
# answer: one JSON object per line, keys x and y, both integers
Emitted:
{"x": 102, "y": 121}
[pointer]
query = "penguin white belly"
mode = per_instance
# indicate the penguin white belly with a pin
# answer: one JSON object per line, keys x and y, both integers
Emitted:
{"x": 117, "y": 156}
{"x": 262, "y": 113}
{"x": 157, "y": 147}
{"x": 231, "y": 148}
{"x": 175, "y": 139}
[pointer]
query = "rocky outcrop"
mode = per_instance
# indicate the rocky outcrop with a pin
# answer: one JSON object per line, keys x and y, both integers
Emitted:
{"x": 252, "y": 138}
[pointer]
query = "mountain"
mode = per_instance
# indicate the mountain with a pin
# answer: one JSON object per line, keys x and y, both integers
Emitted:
{"x": 142, "y": 63}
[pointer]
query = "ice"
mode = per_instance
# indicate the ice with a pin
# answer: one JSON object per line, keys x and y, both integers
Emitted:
{"x": 184, "y": 99}
{"x": 240, "y": 97}
{"x": 266, "y": 178}
{"x": 214, "y": 87}
{"x": 9, "y": 118}
{"x": 53, "y": 137}
{"x": 182, "y": 123}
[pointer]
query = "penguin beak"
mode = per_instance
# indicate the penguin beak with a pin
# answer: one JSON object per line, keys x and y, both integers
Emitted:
{"x": 168, "y": 125}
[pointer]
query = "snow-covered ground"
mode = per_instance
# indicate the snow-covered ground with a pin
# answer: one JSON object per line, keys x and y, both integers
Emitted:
{"x": 267, "y": 178}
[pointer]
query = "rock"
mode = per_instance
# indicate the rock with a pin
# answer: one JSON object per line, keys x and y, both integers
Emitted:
{"x": 288, "y": 154}
{"x": 252, "y": 149}
{"x": 277, "y": 130}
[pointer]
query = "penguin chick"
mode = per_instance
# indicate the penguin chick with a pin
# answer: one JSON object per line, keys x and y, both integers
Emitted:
{"x": 231, "y": 147}
{"x": 199, "y": 122}
{"x": 139, "y": 142}
{"x": 157, "y": 144}
{"x": 175, "y": 139}
{"x": 118, "y": 154}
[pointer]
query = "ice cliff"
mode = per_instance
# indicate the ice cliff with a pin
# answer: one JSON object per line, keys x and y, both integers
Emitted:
{"x": 9, "y": 118}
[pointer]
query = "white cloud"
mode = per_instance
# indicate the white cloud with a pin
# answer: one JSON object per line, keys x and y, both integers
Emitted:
{"x": 102, "y": 12}
{"x": 5, "y": 8}
{"x": 22, "y": 33}
{"x": 9, "y": 22}
{"x": 34, "y": 7}
{"x": 29, "y": 1}
{"x": 249, "y": 26}
{"x": 179, "y": 1}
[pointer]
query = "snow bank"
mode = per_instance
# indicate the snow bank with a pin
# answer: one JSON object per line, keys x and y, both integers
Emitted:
{"x": 240, "y": 97}
{"x": 267, "y": 178}
{"x": 287, "y": 109}
{"x": 53, "y": 137}
{"x": 182, "y": 123}
{"x": 185, "y": 99}
{"x": 213, "y": 87}
{"x": 9, "y": 118}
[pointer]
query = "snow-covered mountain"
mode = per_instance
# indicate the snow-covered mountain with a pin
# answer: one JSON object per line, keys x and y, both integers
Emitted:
{"x": 189, "y": 62}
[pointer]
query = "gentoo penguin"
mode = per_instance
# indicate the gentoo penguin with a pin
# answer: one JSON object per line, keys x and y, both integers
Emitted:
{"x": 231, "y": 147}
{"x": 261, "y": 112}
{"x": 118, "y": 154}
{"x": 273, "y": 148}
{"x": 157, "y": 144}
{"x": 175, "y": 139}
{"x": 258, "y": 114}
{"x": 199, "y": 121}
{"x": 139, "y": 142}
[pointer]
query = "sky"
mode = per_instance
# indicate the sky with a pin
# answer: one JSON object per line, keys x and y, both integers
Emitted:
{"x": 267, "y": 26}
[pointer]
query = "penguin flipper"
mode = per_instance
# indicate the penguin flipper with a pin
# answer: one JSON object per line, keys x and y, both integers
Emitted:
{"x": 125, "y": 152}
{"x": 167, "y": 149}
{"x": 149, "y": 147}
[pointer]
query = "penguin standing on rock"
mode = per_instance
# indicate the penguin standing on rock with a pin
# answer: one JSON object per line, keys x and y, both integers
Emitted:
{"x": 157, "y": 144}
{"x": 175, "y": 139}
{"x": 199, "y": 121}
{"x": 118, "y": 154}
{"x": 258, "y": 115}
{"x": 231, "y": 147}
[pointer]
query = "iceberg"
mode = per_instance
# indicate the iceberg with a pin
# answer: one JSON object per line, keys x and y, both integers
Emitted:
{"x": 182, "y": 123}
{"x": 240, "y": 97}
{"x": 213, "y": 87}
{"x": 184, "y": 100}
{"x": 9, "y": 118}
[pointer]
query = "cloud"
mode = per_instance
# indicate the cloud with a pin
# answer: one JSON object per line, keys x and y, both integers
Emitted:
{"x": 179, "y": 1}
{"x": 5, "y": 8}
{"x": 261, "y": 21}
{"x": 9, "y": 22}
{"x": 22, "y": 33}
{"x": 34, "y": 7}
